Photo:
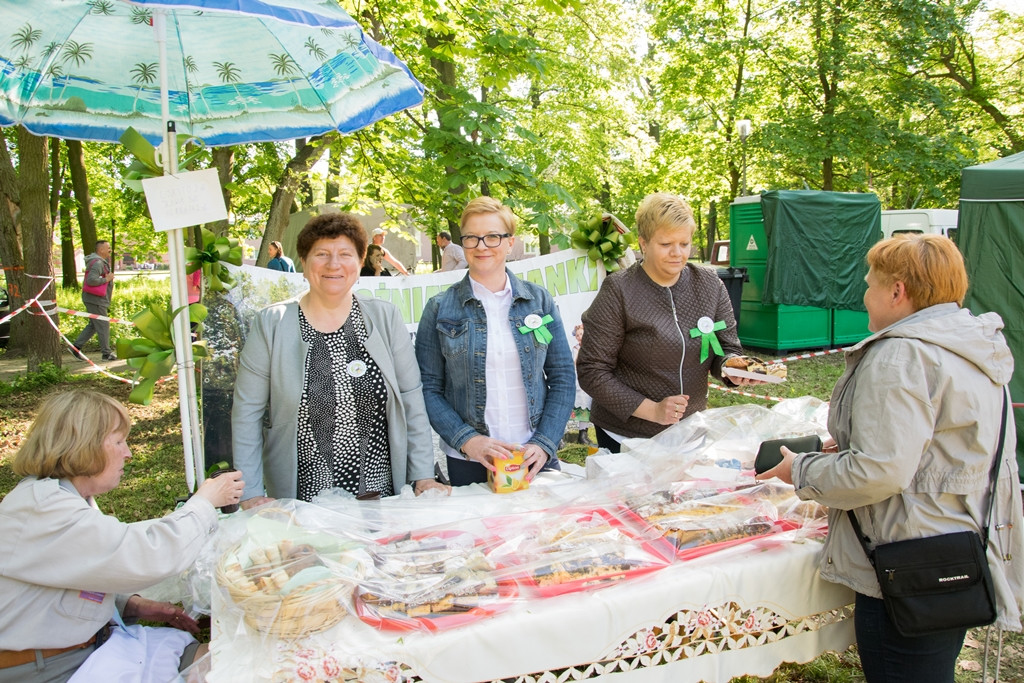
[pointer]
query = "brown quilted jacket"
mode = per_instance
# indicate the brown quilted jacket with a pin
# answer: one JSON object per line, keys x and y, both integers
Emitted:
{"x": 632, "y": 348}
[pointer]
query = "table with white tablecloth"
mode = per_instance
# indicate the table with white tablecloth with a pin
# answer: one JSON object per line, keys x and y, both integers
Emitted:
{"x": 742, "y": 610}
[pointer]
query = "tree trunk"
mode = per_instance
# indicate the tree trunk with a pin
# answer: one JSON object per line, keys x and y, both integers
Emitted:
{"x": 445, "y": 69}
{"x": 224, "y": 162}
{"x": 10, "y": 252}
{"x": 333, "y": 189}
{"x": 60, "y": 203}
{"x": 69, "y": 276}
{"x": 80, "y": 182}
{"x": 37, "y": 242}
{"x": 305, "y": 191}
{"x": 280, "y": 204}
{"x": 712, "y": 229}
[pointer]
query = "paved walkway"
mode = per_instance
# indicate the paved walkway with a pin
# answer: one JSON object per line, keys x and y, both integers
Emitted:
{"x": 13, "y": 367}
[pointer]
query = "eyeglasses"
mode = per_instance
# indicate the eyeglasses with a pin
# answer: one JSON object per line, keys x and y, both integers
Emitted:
{"x": 490, "y": 240}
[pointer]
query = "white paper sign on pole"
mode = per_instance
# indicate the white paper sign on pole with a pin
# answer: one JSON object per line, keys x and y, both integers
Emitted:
{"x": 185, "y": 199}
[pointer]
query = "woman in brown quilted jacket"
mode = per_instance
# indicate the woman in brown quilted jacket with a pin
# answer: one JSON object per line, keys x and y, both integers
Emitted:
{"x": 641, "y": 357}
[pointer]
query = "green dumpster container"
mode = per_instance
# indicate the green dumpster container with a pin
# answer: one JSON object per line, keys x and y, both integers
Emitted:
{"x": 748, "y": 244}
{"x": 779, "y": 327}
{"x": 849, "y": 327}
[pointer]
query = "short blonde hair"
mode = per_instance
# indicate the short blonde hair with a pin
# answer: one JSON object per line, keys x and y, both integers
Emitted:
{"x": 930, "y": 267}
{"x": 482, "y": 205}
{"x": 66, "y": 439}
{"x": 663, "y": 210}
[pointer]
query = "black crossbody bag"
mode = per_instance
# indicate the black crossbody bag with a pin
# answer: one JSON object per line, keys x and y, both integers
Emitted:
{"x": 941, "y": 582}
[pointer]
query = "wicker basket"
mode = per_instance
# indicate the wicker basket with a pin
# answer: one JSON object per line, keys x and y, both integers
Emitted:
{"x": 310, "y": 608}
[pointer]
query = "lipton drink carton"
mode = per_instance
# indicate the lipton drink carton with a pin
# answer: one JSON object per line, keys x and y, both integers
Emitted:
{"x": 511, "y": 474}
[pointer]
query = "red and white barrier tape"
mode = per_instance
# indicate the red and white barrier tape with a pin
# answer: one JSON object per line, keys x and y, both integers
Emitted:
{"x": 80, "y": 314}
{"x": 36, "y": 301}
{"x": 803, "y": 356}
{"x": 743, "y": 393}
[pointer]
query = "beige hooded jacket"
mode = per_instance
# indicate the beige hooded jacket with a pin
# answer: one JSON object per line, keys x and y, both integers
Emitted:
{"x": 916, "y": 417}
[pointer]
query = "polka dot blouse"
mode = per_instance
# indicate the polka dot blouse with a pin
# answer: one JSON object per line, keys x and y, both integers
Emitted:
{"x": 343, "y": 427}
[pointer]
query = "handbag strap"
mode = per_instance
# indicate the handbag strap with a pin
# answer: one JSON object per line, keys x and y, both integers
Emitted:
{"x": 993, "y": 477}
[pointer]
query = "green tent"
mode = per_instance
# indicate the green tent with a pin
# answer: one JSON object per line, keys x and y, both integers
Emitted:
{"x": 816, "y": 247}
{"x": 991, "y": 237}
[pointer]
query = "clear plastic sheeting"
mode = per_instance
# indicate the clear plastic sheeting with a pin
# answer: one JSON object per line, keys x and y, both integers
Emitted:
{"x": 289, "y": 570}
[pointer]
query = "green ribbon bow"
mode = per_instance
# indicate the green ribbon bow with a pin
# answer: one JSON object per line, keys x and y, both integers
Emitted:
{"x": 144, "y": 163}
{"x": 215, "y": 250}
{"x": 601, "y": 238}
{"x": 708, "y": 339}
{"x": 153, "y": 355}
{"x": 541, "y": 333}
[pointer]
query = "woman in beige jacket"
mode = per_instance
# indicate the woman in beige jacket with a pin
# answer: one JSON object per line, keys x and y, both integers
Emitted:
{"x": 67, "y": 569}
{"x": 916, "y": 420}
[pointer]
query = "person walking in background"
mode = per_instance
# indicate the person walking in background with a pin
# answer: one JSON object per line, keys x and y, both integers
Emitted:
{"x": 96, "y": 292}
{"x": 453, "y": 257}
{"x": 278, "y": 261}
{"x": 378, "y": 238}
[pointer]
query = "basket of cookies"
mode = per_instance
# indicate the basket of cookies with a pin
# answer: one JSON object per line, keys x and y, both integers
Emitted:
{"x": 291, "y": 586}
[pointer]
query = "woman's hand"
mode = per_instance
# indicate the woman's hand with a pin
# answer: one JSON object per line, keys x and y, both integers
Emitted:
{"x": 255, "y": 501}
{"x": 484, "y": 449}
{"x": 222, "y": 490}
{"x": 423, "y": 485}
{"x": 829, "y": 446}
{"x": 783, "y": 471}
{"x": 534, "y": 457}
{"x": 667, "y": 411}
{"x": 138, "y": 607}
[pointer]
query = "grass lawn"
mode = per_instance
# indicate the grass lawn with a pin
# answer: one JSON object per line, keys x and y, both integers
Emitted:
{"x": 154, "y": 478}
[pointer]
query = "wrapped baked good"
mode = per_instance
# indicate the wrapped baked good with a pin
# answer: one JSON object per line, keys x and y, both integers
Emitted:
{"x": 756, "y": 366}
{"x": 431, "y": 580}
{"x": 290, "y": 586}
{"x": 698, "y": 527}
{"x": 567, "y": 550}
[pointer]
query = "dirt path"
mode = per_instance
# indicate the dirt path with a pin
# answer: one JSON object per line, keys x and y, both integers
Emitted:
{"x": 13, "y": 367}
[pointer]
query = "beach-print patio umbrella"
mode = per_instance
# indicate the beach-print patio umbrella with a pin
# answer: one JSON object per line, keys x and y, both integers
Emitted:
{"x": 225, "y": 71}
{"x": 266, "y": 70}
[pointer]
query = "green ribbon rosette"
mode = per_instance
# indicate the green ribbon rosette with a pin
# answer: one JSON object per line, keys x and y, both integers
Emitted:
{"x": 215, "y": 251}
{"x": 539, "y": 327}
{"x": 708, "y": 340}
{"x": 144, "y": 164}
{"x": 152, "y": 356}
{"x": 605, "y": 239}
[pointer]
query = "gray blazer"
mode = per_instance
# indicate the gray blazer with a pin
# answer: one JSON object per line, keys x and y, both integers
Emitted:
{"x": 271, "y": 377}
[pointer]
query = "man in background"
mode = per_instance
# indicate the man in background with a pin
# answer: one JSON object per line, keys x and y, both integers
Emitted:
{"x": 378, "y": 239}
{"x": 96, "y": 292}
{"x": 452, "y": 255}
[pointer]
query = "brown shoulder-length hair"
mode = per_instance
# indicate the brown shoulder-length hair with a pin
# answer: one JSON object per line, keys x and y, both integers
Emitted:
{"x": 330, "y": 226}
{"x": 930, "y": 267}
{"x": 66, "y": 439}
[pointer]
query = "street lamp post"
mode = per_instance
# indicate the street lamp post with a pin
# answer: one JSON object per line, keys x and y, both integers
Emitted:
{"x": 743, "y": 128}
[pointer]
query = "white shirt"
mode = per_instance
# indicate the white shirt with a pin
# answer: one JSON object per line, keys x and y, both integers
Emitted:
{"x": 506, "y": 412}
{"x": 453, "y": 257}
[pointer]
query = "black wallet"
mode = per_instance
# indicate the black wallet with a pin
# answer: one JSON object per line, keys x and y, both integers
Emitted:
{"x": 770, "y": 454}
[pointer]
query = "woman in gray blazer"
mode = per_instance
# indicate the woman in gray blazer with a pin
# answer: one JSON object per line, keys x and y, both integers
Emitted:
{"x": 336, "y": 377}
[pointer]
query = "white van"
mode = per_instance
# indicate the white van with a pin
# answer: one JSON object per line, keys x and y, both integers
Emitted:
{"x": 931, "y": 221}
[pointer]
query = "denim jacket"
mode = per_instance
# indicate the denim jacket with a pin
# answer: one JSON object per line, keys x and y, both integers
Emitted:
{"x": 451, "y": 347}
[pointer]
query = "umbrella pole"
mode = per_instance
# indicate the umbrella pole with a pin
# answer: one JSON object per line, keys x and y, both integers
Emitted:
{"x": 190, "y": 434}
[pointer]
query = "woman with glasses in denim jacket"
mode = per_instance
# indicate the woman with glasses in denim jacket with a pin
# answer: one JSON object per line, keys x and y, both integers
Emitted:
{"x": 496, "y": 367}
